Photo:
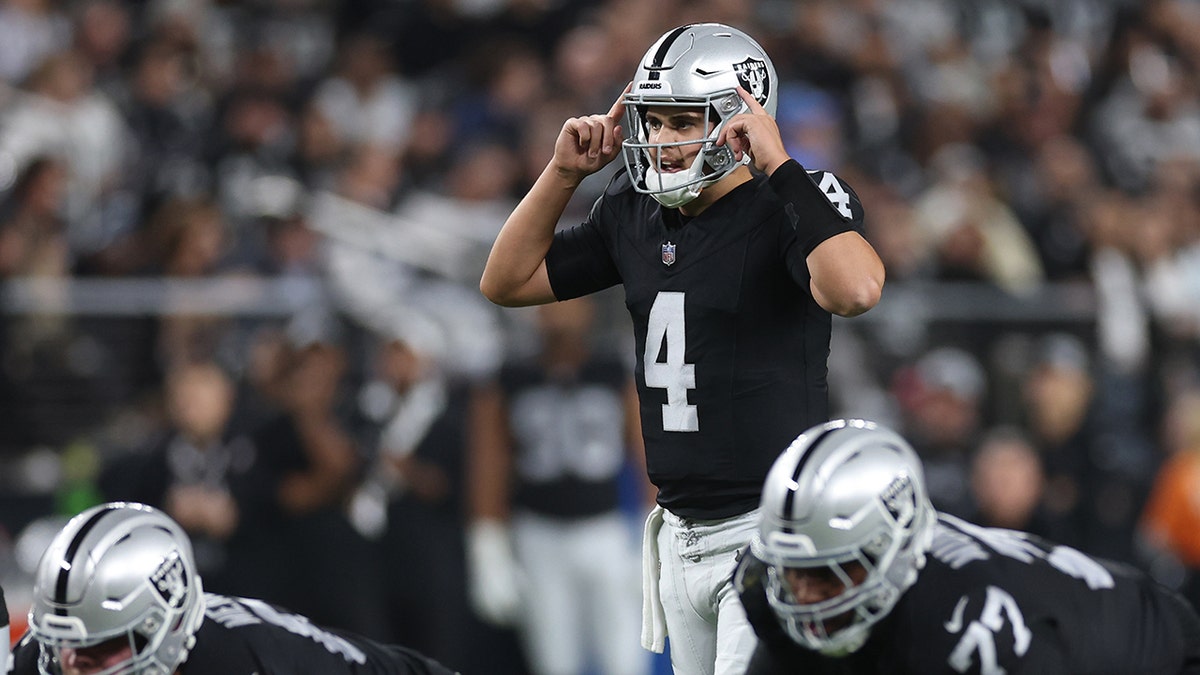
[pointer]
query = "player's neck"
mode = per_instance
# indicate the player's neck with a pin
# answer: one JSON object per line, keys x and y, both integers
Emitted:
{"x": 709, "y": 195}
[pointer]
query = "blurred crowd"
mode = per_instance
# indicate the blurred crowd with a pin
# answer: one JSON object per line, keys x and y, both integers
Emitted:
{"x": 371, "y": 149}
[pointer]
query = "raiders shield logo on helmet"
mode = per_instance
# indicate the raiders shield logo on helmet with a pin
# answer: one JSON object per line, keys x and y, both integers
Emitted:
{"x": 752, "y": 75}
{"x": 170, "y": 580}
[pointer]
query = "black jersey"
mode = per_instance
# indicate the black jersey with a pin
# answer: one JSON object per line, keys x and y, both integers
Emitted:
{"x": 569, "y": 435}
{"x": 999, "y": 601}
{"x": 731, "y": 347}
{"x": 240, "y": 636}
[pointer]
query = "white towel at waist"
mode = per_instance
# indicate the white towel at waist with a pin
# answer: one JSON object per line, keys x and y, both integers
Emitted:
{"x": 654, "y": 620}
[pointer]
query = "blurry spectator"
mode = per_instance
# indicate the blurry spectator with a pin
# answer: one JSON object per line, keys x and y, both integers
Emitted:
{"x": 63, "y": 115}
{"x": 308, "y": 464}
{"x": 257, "y": 137}
{"x": 1057, "y": 397}
{"x": 508, "y": 81}
{"x": 811, "y": 125}
{"x": 367, "y": 102}
{"x": 977, "y": 237}
{"x": 1049, "y": 200}
{"x": 30, "y": 30}
{"x": 196, "y": 470}
{"x": 582, "y": 58}
{"x": 48, "y": 396}
{"x": 170, "y": 117}
{"x": 277, "y": 241}
{"x": 1088, "y": 425}
{"x": 33, "y": 239}
{"x": 549, "y": 549}
{"x": 319, "y": 149}
{"x": 1008, "y": 484}
{"x": 1170, "y": 522}
{"x": 1149, "y": 115}
{"x": 189, "y": 239}
{"x": 941, "y": 399}
{"x": 103, "y": 31}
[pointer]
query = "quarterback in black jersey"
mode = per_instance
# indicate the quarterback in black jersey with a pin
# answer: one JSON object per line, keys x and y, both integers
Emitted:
{"x": 852, "y": 571}
{"x": 733, "y": 259}
{"x": 117, "y": 592}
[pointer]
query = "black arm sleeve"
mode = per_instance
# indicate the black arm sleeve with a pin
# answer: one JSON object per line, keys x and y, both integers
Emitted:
{"x": 809, "y": 210}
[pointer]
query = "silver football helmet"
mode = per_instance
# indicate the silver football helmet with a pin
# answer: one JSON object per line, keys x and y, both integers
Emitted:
{"x": 699, "y": 66}
{"x": 844, "y": 494}
{"x": 118, "y": 571}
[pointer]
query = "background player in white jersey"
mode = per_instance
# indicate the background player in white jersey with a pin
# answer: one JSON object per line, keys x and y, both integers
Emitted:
{"x": 733, "y": 259}
{"x": 117, "y": 592}
{"x": 853, "y": 571}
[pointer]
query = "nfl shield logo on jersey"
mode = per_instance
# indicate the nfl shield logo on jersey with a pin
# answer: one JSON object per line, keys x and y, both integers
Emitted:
{"x": 668, "y": 253}
{"x": 752, "y": 75}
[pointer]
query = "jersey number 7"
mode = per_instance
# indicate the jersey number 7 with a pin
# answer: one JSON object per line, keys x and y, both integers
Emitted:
{"x": 665, "y": 333}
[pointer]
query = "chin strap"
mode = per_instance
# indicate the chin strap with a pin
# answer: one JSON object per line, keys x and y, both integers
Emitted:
{"x": 667, "y": 195}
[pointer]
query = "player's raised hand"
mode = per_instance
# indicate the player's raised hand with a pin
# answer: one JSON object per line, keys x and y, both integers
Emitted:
{"x": 755, "y": 133}
{"x": 587, "y": 144}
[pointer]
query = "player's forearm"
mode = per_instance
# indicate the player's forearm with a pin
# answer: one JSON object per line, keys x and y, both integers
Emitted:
{"x": 510, "y": 276}
{"x": 489, "y": 458}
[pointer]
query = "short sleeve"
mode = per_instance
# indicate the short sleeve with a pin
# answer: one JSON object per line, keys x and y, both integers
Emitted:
{"x": 580, "y": 261}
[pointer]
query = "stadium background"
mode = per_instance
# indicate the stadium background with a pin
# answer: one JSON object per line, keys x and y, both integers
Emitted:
{"x": 238, "y": 182}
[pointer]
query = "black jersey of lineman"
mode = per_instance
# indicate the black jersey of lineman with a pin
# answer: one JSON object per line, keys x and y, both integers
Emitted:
{"x": 731, "y": 347}
{"x": 240, "y": 636}
{"x": 999, "y": 601}
{"x": 569, "y": 436}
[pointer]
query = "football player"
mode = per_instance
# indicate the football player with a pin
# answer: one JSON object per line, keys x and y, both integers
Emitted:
{"x": 117, "y": 592}
{"x": 550, "y": 439}
{"x": 733, "y": 259}
{"x": 853, "y": 571}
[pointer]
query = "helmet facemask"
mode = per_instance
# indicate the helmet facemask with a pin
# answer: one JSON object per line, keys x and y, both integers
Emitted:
{"x": 838, "y": 625}
{"x": 697, "y": 66}
{"x": 51, "y": 657}
{"x": 644, "y": 158}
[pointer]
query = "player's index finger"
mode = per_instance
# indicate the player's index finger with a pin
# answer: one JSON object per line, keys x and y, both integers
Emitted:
{"x": 618, "y": 107}
{"x": 751, "y": 102}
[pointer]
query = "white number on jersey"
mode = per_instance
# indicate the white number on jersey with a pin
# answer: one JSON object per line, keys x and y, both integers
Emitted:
{"x": 666, "y": 321}
{"x": 1015, "y": 545}
{"x": 979, "y": 638}
{"x": 835, "y": 193}
{"x": 233, "y": 613}
{"x": 569, "y": 433}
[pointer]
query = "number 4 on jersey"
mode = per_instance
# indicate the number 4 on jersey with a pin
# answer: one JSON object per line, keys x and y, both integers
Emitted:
{"x": 835, "y": 193}
{"x": 665, "y": 332}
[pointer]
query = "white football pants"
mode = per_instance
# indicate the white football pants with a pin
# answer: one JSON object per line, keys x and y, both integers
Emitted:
{"x": 707, "y": 629}
{"x": 584, "y": 594}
